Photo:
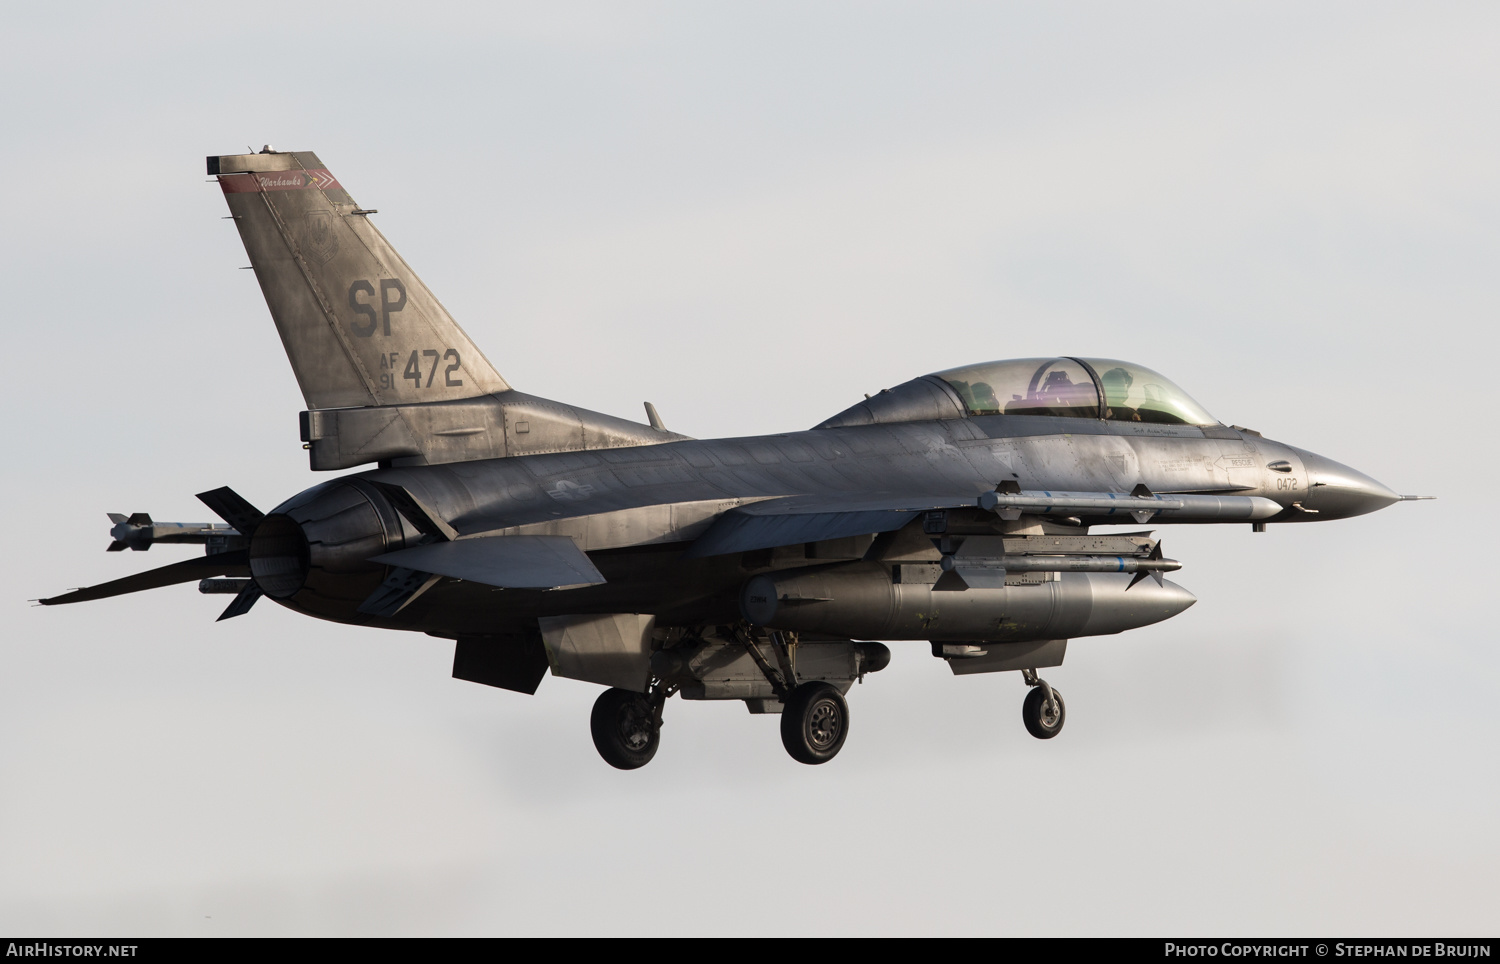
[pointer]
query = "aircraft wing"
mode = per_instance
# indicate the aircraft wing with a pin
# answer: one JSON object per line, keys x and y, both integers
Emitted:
{"x": 509, "y": 562}
{"x": 782, "y": 522}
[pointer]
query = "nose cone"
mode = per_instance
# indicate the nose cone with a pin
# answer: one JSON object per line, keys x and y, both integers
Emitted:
{"x": 1335, "y": 491}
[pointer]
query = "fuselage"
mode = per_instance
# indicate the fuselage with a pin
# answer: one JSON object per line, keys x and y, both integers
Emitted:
{"x": 634, "y": 510}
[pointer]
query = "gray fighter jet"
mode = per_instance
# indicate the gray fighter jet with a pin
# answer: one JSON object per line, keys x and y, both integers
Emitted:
{"x": 964, "y": 509}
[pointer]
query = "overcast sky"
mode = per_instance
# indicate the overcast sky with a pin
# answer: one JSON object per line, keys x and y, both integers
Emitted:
{"x": 751, "y": 215}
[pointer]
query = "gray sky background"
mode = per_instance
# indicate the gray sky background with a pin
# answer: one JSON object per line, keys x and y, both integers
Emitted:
{"x": 752, "y": 215}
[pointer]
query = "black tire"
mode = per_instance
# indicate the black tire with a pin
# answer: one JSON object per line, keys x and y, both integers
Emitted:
{"x": 1031, "y": 714}
{"x": 624, "y": 728}
{"x": 814, "y": 723}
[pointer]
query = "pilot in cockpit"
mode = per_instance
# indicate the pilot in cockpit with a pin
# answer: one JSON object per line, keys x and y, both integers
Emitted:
{"x": 1117, "y": 382}
{"x": 983, "y": 398}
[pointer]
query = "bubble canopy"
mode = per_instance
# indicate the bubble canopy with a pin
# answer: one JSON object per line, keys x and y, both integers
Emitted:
{"x": 1071, "y": 388}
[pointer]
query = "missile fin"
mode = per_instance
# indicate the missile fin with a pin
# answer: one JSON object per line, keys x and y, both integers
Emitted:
{"x": 950, "y": 581}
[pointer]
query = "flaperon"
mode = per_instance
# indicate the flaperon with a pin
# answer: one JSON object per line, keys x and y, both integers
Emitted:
{"x": 963, "y": 508}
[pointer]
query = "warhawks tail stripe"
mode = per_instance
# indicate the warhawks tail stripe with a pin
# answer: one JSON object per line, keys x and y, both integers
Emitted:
{"x": 277, "y": 181}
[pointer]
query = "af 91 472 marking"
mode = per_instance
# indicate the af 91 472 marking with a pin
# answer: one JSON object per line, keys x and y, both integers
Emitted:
{"x": 413, "y": 369}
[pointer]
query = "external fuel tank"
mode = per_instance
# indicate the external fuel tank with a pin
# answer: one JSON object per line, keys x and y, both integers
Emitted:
{"x": 868, "y": 600}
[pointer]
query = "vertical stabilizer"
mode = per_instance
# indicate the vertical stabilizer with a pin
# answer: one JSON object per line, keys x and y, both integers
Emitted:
{"x": 359, "y": 326}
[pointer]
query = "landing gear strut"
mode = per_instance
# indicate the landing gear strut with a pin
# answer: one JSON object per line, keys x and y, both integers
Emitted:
{"x": 627, "y": 726}
{"x": 1043, "y": 711}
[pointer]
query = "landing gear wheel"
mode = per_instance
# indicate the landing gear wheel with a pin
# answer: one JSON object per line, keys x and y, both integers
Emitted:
{"x": 814, "y": 723}
{"x": 625, "y": 730}
{"x": 1043, "y": 721}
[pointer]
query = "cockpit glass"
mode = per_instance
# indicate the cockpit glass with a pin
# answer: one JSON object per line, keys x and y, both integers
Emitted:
{"x": 1026, "y": 386}
{"x": 1065, "y": 387}
{"x": 1136, "y": 394}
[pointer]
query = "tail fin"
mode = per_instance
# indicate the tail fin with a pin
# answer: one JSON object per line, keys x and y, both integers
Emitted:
{"x": 359, "y": 326}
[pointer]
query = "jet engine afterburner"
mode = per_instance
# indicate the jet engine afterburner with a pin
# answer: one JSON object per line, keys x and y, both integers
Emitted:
{"x": 312, "y": 552}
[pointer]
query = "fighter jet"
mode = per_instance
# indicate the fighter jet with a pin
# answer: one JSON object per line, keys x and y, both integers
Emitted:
{"x": 973, "y": 510}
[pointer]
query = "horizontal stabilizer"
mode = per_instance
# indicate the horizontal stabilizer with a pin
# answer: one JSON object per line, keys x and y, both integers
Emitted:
{"x": 784, "y": 522}
{"x": 509, "y": 562}
{"x": 220, "y": 564}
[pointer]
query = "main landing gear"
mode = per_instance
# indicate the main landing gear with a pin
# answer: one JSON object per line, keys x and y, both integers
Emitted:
{"x": 814, "y": 723}
{"x": 1043, "y": 711}
{"x": 627, "y": 726}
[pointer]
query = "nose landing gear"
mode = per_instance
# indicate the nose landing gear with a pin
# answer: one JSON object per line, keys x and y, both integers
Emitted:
{"x": 1043, "y": 711}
